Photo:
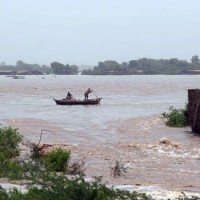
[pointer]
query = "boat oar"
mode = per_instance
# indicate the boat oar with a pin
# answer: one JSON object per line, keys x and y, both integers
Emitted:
{"x": 96, "y": 97}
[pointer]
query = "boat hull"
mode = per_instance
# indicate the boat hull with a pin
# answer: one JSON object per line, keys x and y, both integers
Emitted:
{"x": 78, "y": 102}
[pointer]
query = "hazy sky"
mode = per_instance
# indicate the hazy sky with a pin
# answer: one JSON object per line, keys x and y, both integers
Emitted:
{"x": 88, "y": 31}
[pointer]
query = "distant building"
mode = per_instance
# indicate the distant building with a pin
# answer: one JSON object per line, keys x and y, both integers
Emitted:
{"x": 193, "y": 72}
{"x": 7, "y": 72}
{"x": 12, "y": 72}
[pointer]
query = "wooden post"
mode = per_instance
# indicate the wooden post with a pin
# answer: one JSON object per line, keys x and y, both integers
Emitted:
{"x": 194, "y": 109}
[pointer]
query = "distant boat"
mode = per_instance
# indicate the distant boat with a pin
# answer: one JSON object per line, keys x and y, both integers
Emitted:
{"x": 77, "y": 101}
{"x": 18, "y": 77}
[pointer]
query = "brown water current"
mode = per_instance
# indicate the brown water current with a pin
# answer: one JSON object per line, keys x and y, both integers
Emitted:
{"x": 126, "y": 126}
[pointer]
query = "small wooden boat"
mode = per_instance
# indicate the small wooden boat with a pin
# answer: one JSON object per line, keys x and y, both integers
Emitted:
{"x": 18, "y": 77}
{"x": 77, "y": 101}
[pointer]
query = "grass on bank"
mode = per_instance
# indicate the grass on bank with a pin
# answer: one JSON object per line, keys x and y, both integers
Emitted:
{"x": 176, "y": 117}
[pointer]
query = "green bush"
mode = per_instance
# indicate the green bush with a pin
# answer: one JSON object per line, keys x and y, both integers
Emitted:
{"x": 9, "y": 142}
{"x": 49, "y": 186}
{"x": 2, "y": 157}
{"x": 57, "y": 160}
{"x": 3, "y": 194}
{"x": 52, "y": 186}
{"x": 13, "y": 169}
{"x": 176, "y": 117}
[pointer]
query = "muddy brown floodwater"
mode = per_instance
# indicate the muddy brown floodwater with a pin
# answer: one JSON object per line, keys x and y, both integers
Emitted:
{"x": 126, "y": 127}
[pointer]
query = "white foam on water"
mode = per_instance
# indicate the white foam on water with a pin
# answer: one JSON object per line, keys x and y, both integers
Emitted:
{"x": 156, "y": 192}
{"x": 179, "y": 153}
{"x": 10, "y": 186}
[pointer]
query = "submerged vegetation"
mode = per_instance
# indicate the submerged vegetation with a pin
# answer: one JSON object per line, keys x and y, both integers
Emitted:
{"x": 176, "y": 117}
{"x": 118, "y": 169}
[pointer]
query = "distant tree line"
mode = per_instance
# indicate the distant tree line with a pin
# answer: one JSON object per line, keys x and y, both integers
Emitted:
{"x": 56, "y": 68}
{"x": 33, "y": 67}
{"x": 22, "y": 66}
{"x": 111, "y": 67}
{"x": 59, "y": 68}
{"x": 146, "y": 66}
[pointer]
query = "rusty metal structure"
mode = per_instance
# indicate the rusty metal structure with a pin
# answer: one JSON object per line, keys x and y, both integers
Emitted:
{"x": 194, "y": 109}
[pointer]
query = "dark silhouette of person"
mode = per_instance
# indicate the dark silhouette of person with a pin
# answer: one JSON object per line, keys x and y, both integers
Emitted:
{"x": 87, "y": 92}
{"x": 69, "y": 96}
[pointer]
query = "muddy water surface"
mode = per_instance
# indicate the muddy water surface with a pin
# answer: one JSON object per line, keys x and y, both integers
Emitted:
{"x": 125, "y": 127}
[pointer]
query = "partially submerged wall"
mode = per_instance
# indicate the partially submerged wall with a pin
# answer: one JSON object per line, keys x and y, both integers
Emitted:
{"x": 194, "y": 109}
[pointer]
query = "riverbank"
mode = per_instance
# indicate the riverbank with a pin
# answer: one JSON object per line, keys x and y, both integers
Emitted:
{"x": 158, "y": 159}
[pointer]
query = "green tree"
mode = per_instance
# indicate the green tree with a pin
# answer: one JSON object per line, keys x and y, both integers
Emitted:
{"x": 195, "y": 59}
{"x": 59, "y": 68}
{"x": 9, "y": 142}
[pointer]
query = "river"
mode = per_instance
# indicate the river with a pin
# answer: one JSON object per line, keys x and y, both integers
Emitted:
{"x": 123, "y": 97}
{"x": 126, "y": 126}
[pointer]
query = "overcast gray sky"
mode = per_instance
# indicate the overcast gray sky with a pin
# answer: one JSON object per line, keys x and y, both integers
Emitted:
{"x": 88, "y": 31}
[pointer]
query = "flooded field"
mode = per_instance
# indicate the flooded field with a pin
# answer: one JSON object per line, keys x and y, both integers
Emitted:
{"x": 126, "y": 126}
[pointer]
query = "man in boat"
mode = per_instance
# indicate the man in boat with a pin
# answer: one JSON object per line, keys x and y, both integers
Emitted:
{"x": 87, "y": 92}
{"x": 69, "y": 96}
